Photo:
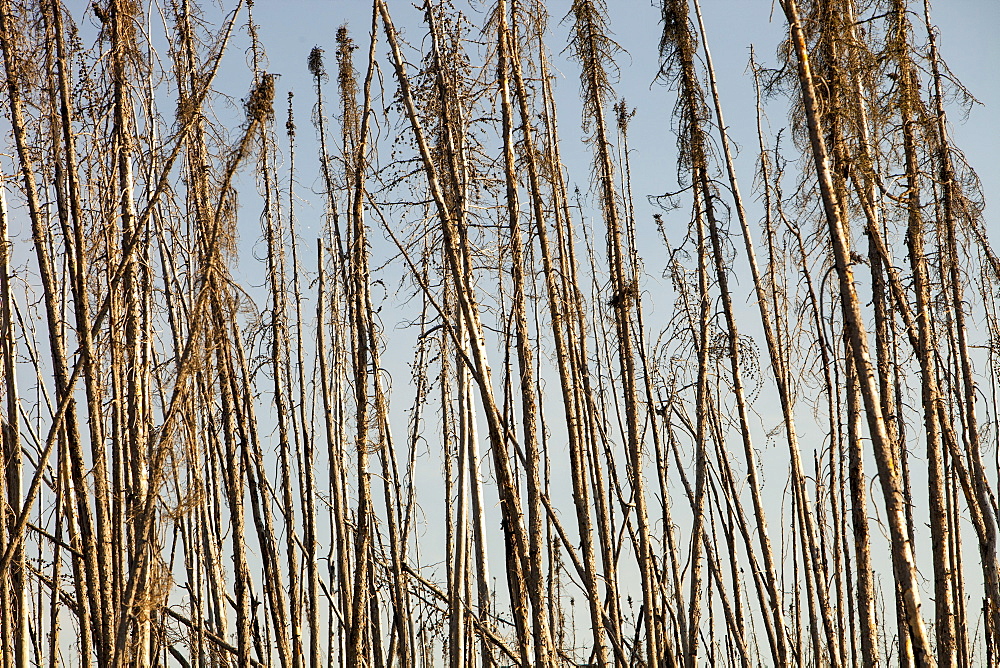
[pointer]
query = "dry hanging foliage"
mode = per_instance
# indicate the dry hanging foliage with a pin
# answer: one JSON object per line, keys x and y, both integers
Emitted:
{"x": 488, "y": 421}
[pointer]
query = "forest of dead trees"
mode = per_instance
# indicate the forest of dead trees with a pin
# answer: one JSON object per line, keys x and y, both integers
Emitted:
{"x": 467, "y": 414}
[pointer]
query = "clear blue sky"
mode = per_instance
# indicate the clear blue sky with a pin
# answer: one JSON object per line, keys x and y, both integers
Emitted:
{"x": 290, "y": 28}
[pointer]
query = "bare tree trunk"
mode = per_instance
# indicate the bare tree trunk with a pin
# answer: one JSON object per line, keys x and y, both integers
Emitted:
{"x": 459, "y": 272}
{"x": 14, "y": 610}
{"x": 541, "y": 637}
{"x": 903, "y": 561}
{"x": 951, "y": 210}
{"x": 590, "y": 47}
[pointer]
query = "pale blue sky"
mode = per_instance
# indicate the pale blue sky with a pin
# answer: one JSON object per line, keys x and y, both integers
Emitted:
{"x": 968, "y": 42}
